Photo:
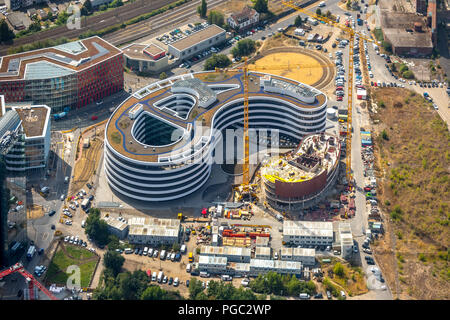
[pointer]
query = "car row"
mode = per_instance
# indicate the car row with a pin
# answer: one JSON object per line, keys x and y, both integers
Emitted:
{"x": 75, "y": 240}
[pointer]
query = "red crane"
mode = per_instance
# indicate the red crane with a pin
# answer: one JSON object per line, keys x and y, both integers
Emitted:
{"x": 18, "y": 267}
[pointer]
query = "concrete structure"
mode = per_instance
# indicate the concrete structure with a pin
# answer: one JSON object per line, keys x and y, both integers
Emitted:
{"x": 263, "y": 253}
{"x": 245, "y": 19}
{"x": 117, "y": 227}
{"x": 420, "y": 6}
{"x": 345, "y": 240}
{"x": 402, "y": 31}
{"x": 308, "y": 233}
{"x": 145, "y": 58}
{"x": 68, "y": 75}
{"x": 164, "y": 149}
{"x": 261, "y": 266}
{"x": 197, "y": 42}
{"x": 233, "y": 254}
{"x": 304, "y": 255}
{"x": 302, "y": 178}
{"x": 432, "y": 20}
{"x": 153, "y": 231}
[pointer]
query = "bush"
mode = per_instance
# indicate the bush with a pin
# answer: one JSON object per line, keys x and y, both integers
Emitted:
{"x": 162, "y": 76}
{"x": 339, "y": 270}
{"x": 396, "y": 214}
{"x": 384, "y": 135}
{"x": 408, "y": 74}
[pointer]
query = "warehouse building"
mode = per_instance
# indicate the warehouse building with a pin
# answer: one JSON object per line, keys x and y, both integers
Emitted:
{"x": 117, "y": 227}
{"x": 304, "y": 255}
{"x": 153, "y": 231}
{"x": 145, "y": 58}
{"x": 233, "y": 254}
{"x": 263, "y": 253}
{"x": 197, "y": 42}
{"x": 308, "y": 233}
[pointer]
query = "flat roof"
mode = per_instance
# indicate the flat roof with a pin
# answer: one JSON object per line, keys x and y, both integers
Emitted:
{"x": 115, "y": 223}
{"x": 138, "y": 51}
{"x": 225, "y": 251}
{"x": 120, "y": 123}
{"x": 34, "y": 119}
{"x": 197, "y": 37}
{"x": 401, "y": 38}
{"x": 56, "y": 61}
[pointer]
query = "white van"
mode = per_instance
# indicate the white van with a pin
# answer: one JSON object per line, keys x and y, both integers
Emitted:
{"x": 162, "y": 256}
{"x": 154, "y": 276}
{"x": 83, "y": 223}
{"x": 145, "y": 251}
{"x": 128, "y": 251}
{"x": 160, "y": 276}
{"x": 204, "y": 274}
{"x": 183, "y": 248}
{"x": 188, "y": 268}
{"x": 304, "y": 296}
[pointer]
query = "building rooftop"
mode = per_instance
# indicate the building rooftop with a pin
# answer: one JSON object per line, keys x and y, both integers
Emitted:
{"x": 315, "y": 154}
{"x": 212, "y": 260}
{"x": 115, "y": 223}
{"x": 225, "y": 251}
{"x": 34, "y": 120}
{"x": 298, "y": 252}
{"x": 142, "y": 51}
{"x": 154, "y": 227}
{"x": 263, "y": 251}
{"x": 308, "y": 228}
{"x": 155, "y": 97}
{"x": 244, "y": 15}
{"x": 275, "y": 264}
{"x": 60, "y": 60}
{"x": 197, "y": 37}
{"x": 402, "y": 38}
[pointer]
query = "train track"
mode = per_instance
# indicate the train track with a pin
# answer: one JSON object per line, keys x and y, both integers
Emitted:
{"x": 145, "y": 28}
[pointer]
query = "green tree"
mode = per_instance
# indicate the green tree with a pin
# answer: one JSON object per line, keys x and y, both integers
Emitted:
{"x": 328, "y": 14}
{"x": 384, "y": 135}
{"x": 114, "y": 261}
{"x": 35, "y": 27}
{"x": 408, "y": 74}
{"x": 216, "y": 17}
{"x": 339, "y": 270}
{"x": 62, "y": 18}
{"x": 202, "y": 9}
{"x": 244, "y": 47}
{"x": 96, "y": 228}
{"x": 6, "y": 33}
{"x": 387, "y": 46}
{"x": 116, "y": 4}
{"x": 153, "y": 293}
{"x": 113, "y": 242}
{"x": 403, "y": 68}
{"x": 261, "y": 6}
{"x": 298, "y": 21}
{"x": 217, "y": 61}
{"x": 195, "y": 288}
{"x": 176, "y": 247}
{"x": 319, "y": 12}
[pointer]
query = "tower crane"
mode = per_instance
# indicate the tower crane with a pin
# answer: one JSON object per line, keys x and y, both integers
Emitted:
{"x": 245, "y": 187}
{"x": 18, "y": 267}
{"x": 351, "y": 33}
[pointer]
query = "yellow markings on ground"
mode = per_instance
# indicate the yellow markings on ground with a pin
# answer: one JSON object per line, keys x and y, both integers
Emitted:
{"x": 309, "y": 75}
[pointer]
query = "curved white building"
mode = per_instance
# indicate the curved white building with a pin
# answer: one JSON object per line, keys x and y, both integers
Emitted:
{"x": 159, "y": 143}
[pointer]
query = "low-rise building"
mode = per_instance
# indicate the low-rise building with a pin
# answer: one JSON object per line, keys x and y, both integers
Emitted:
{"x": 145, "y": 58}
{"x": 212, "y": 264}
{"x": 263, "y": 253}
{"x": 30, "y": 126}
{"x": 345, "y": 240}
{"x": 258, "y": 266}
{"x": 16, "y": 21}
{"x": 245, "y": 19}
{"x": 233, "y": 254}
{"x": 197, "y": 42}
{"x": 117, "y": 227}
{"x": 304, "y": 255}
{"x": 153, "y": 231}
{"x": 262, "y": 241}
{"x": 308, "y": 233}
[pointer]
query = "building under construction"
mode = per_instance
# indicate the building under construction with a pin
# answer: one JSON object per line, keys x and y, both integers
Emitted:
{"x": 300, "y": 179}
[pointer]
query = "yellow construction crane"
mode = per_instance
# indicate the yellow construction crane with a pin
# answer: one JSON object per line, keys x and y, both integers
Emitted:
{"x": 351, "y": 33}
{"x": 245, "y": 68}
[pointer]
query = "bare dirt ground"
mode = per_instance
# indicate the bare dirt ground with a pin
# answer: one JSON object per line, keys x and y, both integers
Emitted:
{"x": 35, "y": 211}
{"x": 412, "y": 166}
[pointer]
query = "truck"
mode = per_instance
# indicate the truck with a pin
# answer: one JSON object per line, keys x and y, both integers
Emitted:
{"x": 31, "y": 251}
{"x": 191, "y": 257}
{"x": 85, "y": 203}
{"x": 59, "y": 116}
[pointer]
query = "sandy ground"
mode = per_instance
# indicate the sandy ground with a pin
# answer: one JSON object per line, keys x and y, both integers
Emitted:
{"x": 309, "y": 74}
{"x": 35, "y": 211}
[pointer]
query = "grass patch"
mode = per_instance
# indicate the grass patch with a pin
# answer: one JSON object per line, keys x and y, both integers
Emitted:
{"x": 116, "y": 137}
{"x": 58, "y": 266}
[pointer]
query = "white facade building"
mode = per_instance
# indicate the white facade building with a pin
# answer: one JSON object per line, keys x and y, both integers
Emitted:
{"x": 117, "y": 227}
{"x": 258, "y": 266}
{"x": 233, "y": 254}
{"x": 153, "y": 231}
{"x": 304, "y": 255}
{"x": 308, "y": 233}
{"x": 245, "y": 19}
{"x": 263, "y": 253}
{"x": 212, "y": 264}
{"x": 345, "y": 238}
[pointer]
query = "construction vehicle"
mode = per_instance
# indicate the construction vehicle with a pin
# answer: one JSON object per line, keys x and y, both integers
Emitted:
{"x": 180, "y": 216}
{"x": 18, "y": 267}
{"x": 351, "y": 33}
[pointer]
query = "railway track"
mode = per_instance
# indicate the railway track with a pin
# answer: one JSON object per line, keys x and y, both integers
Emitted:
{"x": 145, "y": 28}
{"x": 94, "y": 23}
